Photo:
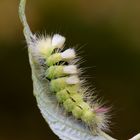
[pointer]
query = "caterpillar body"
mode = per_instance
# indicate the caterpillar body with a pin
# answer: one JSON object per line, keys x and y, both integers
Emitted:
{"x": 59, "y": 68}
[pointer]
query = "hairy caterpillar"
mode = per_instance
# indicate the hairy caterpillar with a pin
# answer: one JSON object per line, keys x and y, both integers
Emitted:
{"x": 56, "y": 80}
{"x": 60, "y": 69}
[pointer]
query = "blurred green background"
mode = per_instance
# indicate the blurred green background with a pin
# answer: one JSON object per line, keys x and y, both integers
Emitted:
{"x": 108, "y": 32}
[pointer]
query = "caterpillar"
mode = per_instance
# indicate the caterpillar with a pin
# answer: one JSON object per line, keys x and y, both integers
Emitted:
{"x": 57, "y": 81}
{"x": 59, "y": 67}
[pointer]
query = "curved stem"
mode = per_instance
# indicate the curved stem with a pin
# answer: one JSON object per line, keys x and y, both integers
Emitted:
{"x": 27, "y": 32}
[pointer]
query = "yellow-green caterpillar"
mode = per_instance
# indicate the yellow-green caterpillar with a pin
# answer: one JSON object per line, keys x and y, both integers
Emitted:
{"x": 60, "y": 69}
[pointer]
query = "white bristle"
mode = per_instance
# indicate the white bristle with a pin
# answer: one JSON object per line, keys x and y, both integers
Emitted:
{"x": 58, "y": 41}
{"x": 72, "y": 80}
{"x": 68, "y": 54}
{"x": 71, "y": 69}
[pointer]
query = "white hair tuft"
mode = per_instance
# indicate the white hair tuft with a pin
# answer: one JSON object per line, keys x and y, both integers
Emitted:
{"x": 58, "y": 41}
